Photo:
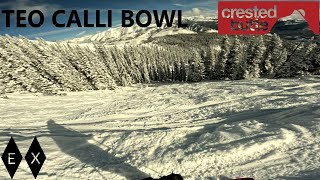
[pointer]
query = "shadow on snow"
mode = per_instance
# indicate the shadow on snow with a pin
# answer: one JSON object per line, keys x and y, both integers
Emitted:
{"x": 76, "y": 145}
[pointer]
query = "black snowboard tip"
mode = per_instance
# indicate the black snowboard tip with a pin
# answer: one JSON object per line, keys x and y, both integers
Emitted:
{"x": 169, "y": 177}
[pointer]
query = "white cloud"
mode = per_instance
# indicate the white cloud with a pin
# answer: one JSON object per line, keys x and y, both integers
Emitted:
{"x": 196, "y": 11}
{"x": 179, "y": 5}
{"x": 52, "y": 32}
{"x": 212, "y": 4}
{"x": 81, "y": 33}
{"x": 201, "y": 12}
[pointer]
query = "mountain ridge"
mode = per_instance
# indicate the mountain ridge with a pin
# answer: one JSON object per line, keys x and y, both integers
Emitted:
{"x": 291, "y": 28}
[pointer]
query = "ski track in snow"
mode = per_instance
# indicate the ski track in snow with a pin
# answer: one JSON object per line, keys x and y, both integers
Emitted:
{"x": 265, "y": 129}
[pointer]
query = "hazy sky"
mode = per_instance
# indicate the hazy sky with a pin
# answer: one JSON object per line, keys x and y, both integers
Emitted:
{"x": 49, "y": 32}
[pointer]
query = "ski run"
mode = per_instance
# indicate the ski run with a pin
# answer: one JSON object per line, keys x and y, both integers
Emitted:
{"x": 264, "y": 129}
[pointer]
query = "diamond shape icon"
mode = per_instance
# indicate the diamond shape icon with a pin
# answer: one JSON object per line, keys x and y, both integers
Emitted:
{"x": 11, "y": 157}
{"x": 35, "y": 157}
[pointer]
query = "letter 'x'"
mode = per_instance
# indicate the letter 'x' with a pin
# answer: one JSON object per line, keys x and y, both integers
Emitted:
{"x": 35, "y": 158}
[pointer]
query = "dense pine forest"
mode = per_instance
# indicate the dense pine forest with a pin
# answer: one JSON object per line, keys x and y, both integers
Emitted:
{"x": 49, "y": 68}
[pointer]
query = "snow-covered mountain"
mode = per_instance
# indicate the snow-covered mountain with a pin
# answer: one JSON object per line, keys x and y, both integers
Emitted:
{"x": 133, "y": 35}
{"x": 137, "y": 35}
{"x": 293, "y": 27}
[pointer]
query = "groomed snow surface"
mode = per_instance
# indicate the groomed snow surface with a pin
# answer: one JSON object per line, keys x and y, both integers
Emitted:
{"x": 265, "y": 129}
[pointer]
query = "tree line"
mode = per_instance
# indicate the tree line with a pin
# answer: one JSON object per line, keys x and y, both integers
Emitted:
{"x": 40, "y": 66}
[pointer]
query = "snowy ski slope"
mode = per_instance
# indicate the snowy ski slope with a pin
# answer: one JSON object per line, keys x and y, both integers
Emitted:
{"x": 265, "y": 129}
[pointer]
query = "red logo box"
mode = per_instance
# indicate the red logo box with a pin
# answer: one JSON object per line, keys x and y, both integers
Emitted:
{"x": 258, "y": 17}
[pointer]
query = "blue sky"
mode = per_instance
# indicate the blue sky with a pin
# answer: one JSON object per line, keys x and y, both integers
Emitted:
{"x": 49, "y": 32}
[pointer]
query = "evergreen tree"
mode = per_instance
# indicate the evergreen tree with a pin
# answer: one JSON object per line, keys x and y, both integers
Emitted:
{"x": 210, "y": 66}
{"x": 248, "y": 60}
{"x": 233, "y": 62}
{"x": 278, "y": 56}
{"x": 222, "y": 58}
{"x": 299, "y": 61}
{"x": 256, "y": 58}
{"x": 315, "y": 59}
{"x": 196, "y": 68}
{"x": 267, "y": 68}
